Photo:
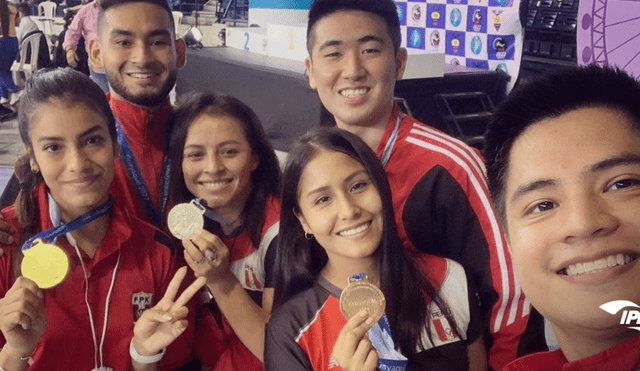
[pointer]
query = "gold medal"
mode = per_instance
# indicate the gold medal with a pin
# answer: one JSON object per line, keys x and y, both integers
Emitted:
{"x": 45, "y": 264}
{"x": 361, "y": 294}
{"x": 184, "y": 220}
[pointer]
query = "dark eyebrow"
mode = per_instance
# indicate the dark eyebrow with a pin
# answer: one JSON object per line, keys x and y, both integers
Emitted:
{"x": 152, "y": 33}
{"x": 530, "y": 187}
{"x": 619, "y": 160}
{"x": 362, "y": 40}
{"x": 369, "y": 38}
{"x": 89, "y": 131}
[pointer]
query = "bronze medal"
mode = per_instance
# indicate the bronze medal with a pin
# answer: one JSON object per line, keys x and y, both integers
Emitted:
{"x": 45, "y": 264}
{"x": 184, "y": 220}
{"x": 361, "y": 294}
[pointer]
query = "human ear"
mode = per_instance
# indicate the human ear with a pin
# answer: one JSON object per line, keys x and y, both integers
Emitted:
{"x": 95, "y": 54}
{"x": 303, "y": 222}
{"x": 309, "y": 65}
{"x": 181, "y": 53}
{"x": 401, "y": 62}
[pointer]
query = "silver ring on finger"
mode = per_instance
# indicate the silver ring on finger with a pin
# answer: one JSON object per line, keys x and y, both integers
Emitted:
{"x": 199, "y": 261}
{"x": 211, "y": 254}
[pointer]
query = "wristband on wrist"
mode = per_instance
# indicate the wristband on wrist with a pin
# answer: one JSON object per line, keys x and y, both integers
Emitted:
{"x": 144, "y": 359}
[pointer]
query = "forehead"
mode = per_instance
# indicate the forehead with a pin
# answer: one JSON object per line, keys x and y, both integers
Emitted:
{"x": 328, "y": 166}
{"x": 566, "y": 146}
{"x": 348, "y": 25}
{"x": 215, "y": 127}
{"x": 55, "y": 114}
{"x": 139, "y": 17}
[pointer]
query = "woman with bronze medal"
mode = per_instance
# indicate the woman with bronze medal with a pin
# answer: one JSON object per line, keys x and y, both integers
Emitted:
{"x": 85, "y": 286}
{"x": 225, "y": 179}
{"x": 348, "y": 295}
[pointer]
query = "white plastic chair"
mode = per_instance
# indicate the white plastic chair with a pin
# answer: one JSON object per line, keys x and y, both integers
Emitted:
{"x": 47, "y": 12}
{"x": 177, "y": 19}
{"x": 22, "y": 71}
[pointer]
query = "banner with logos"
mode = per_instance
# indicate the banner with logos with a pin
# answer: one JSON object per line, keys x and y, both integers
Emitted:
{"x": 484, "y": 34}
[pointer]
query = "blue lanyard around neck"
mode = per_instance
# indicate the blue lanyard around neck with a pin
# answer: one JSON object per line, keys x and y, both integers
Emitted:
{"x": 129, "y": 161}
{"x": 50, "y": 235}
{"x": 388, "y": 357}
{"x": 386, "y": 153}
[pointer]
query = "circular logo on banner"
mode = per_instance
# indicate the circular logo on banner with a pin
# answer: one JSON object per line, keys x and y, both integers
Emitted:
{"x": 455, "y": 17}
{"x": 400, "y": 13}
{"x": 416, "y": 13}
{"x": 476, "y": 45}
{"x": 500, "y": 46}
{"x": 477, "y": 20}
{"x": 435, "y": 38}
{"x": 502, "y": 67}
{"x": 415, "y": 39}
{"x": 455, "y": 44}
{"x": 434, "y": 17}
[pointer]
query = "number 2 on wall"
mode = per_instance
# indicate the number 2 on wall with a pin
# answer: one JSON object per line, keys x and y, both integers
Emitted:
{"x": 246, "y": 41}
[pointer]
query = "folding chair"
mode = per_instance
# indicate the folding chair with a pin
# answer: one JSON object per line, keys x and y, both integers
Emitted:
{"x": 22, "y": 70}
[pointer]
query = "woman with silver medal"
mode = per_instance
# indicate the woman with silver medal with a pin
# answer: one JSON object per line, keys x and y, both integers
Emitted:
{"x": 348, "y": 295}
{"x": 67, "y": 286}
{"x": 225, "y": 179}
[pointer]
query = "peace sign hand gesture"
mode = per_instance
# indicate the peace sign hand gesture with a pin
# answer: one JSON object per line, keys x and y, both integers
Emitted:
{"x": 161, "y": 325}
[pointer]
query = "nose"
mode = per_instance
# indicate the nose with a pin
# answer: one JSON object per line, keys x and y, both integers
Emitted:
{"x": 348, "y": 208}
{"x": 214, "y": 164}
{"x": 77, "y": 160}
{"x": 140, "y": 53}
{"x": 353, "y": 68}
{"x": 588, "y": 217}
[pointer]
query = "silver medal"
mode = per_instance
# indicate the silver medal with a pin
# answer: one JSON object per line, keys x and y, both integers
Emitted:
{"x": 185, "y": 220}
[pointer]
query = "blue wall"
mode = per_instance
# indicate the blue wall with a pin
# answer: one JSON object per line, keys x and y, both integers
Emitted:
{"x": 279, "y": 4}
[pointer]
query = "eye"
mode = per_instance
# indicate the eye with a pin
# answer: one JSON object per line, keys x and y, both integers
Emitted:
{"x": 229, "y": 152}
{"x": 195, "y": 155}
{"x": 623, "y": 184}
{"x": 321, "y": 200}
{"x": 332, "y": 55}
{"x": 52, "y": 148}
{"x": 541, "y": 207}
{"x": 123, "y": 42}
{"x": 370, "y": 51}
{"x": 94, "y": 140}
{"x": 359, "y": 186}
{"x": 160, "y": 42}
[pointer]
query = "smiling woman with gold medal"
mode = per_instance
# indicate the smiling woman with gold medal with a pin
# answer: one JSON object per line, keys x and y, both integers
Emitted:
{"x": 82, "y": 272}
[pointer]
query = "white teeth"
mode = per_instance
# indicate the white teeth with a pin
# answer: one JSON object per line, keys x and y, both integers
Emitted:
{"x": 141, "y": 75}
{"x": 353, "y": 92}
{"x": 598, "y": 265}
{"x": 351, "y": 232}
{"x": 214, "y": 184}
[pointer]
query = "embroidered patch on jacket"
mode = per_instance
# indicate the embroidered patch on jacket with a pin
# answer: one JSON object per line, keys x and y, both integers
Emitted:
{"x": 140, "y": 301}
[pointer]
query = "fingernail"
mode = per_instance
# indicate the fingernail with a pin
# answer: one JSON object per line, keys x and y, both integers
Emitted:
{"x": 363, "y": 313}
{"x": 369, "y": 321}
{"x": 40, "y": 294}
{"x": 166, "y": 317}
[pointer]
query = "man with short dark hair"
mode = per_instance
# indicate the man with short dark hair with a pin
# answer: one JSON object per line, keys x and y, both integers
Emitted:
{"x": 438, "y": 185}
{"x": 563, "y": 161}
{"x": 137, "y": 48}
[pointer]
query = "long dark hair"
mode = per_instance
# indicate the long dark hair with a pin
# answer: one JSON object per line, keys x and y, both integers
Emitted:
{"x": 4, "y": 17}
{"x": 265, "y": 179}
{"x": 71, "y": 88}
{"x": 300, "y": 260}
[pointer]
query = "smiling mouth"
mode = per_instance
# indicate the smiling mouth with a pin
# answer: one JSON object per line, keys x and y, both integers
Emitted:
{"x": 353, "y": 231}
{"x": 212, "y": 186}
{"x": 140, "y": 75}
{"x": 598, "y": 265}
{"x": 352, "y": 93}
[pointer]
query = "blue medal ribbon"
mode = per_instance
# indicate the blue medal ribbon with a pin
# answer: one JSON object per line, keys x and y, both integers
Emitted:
{"x": 386, "y": 153}
{"x": 50, "y": 235}
{"x": 389, "y": 359}
{"x": 126, "y": 154}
